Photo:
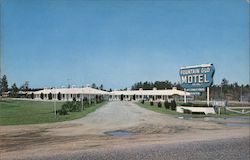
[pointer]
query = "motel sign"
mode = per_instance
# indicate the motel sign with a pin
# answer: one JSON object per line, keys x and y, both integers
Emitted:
{"x": 198, "y": 77}
{"x": 195, "y": 79}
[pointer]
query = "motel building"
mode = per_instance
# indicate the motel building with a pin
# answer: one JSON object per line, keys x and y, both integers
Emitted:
{"x": 68, "y": 94}
{"x": 148, "y": 95}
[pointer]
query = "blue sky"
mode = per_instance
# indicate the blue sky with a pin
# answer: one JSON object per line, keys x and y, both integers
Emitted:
{"x": 117, "y": 43}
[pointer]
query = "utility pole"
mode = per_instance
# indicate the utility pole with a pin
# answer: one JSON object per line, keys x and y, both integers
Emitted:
{"x": 82, "y": 99}
{"x": 54, "y": 101}
{"x": 221, "y": 91}
{"x": 241, "y": 90}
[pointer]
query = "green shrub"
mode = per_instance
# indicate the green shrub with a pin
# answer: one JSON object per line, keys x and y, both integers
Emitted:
{"x": 187, "y": 104}
{"x": 201, "y": 105}
{"x": 65, "y": 108}
{"x": 166, "y": 104}
{"x": 62, "y": 112}
{"x": 75, "y": 106}
{"x": 41, "y": 96}
{"x": 187, "y": 111}
{"x": 159, "y": 104}
{"x": 151, "y": 103}
{"x": 32, "y": 95}
{"x": 142, "y": 101}
{"x": 72, "y": 106}
{"x": 134, "y": 97}
{"x": 173, "y": 105}
{"x": 59, "y": 96}
{"x": 50, "y": 96}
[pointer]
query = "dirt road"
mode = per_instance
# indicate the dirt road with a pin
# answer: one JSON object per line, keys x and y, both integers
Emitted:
{"x": 88, "y": 133}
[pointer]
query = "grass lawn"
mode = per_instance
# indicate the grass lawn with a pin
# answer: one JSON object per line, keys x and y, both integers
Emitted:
{"x": 155, "y": 108}
{"x": 14, "y": 112}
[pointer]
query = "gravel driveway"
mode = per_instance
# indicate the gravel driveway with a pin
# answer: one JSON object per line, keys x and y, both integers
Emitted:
{"x": 124, "y": 115}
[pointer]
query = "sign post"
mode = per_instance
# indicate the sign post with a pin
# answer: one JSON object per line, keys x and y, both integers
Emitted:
{"x": 54, "y": 90}
{"x": 195, "y": 79}
{"x": 185, "y": 97}
{"x": 207, "y": 96}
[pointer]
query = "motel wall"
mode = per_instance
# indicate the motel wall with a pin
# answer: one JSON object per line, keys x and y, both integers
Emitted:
{"x": 68, "y": 94}
{"x": 148, "y": 95}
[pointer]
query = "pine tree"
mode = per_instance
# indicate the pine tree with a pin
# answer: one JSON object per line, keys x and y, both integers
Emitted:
{"x": 4, "y": 84}
{"x": 101, "y": 87}
{"x": 93, "y": 85}
{"x": 25, "y": 86}
{"x": 14, "y": 90}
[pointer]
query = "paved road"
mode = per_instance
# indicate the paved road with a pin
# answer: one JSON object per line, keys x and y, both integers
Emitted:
{"x": 229, "y": 149}
{"x": 159, "y": 137}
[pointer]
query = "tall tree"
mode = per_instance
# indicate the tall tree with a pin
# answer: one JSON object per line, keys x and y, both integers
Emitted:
{"x": 14, "y": 90}
{"x": 224, "y": 82}
{"x": 224, "y": 86}
{"x": 25, "y": 86}
{"x": 4, "y": 84}
{"x": 101, "y": 87}
{"x": 93, "y": 85}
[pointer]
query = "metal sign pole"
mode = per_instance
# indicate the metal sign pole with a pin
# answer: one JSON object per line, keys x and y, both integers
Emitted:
{"x": 82, "y": 101}
{"x": 207, "y": 96}
{"x": 185, "y": 96}
{"x": 241, "y": 93}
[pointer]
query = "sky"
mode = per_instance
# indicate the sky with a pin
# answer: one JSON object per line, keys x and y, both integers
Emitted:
{"x": 117, "y": 43}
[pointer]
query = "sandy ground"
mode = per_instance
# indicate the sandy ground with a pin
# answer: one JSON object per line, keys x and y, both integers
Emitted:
{"x": 88, "y": 133}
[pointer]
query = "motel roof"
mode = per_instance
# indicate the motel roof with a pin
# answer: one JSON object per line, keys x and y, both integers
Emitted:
{"x": 167, "y": 92}
{"x": 84, "y": 90}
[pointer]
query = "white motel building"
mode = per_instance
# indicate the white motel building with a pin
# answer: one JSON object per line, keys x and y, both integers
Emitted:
{"x": 150, "y": 95}
{"x": 68, "y": 94}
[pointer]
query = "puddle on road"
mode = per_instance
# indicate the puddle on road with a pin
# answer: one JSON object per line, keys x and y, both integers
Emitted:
{"x": 120, "y": 133}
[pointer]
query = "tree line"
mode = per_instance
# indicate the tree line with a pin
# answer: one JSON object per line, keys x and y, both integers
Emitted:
{"x": 223, "y": 91}
{"x": 14, "y": 89}
{"x": 157, "y": 84}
